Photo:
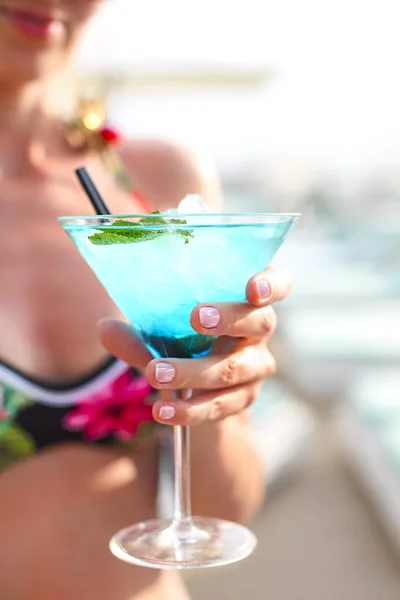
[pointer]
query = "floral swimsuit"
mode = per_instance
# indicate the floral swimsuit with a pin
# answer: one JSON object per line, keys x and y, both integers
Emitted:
{"x": 111, "y": 406}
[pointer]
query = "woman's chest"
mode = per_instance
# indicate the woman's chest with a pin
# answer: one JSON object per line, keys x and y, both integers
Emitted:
{"x": 50, "y": 301}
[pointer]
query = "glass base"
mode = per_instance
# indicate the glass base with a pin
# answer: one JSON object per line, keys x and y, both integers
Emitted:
{"x": 202, "y": 543}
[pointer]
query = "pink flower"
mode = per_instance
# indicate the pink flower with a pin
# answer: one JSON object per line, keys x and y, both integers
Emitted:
{"x": 118, "y": 410}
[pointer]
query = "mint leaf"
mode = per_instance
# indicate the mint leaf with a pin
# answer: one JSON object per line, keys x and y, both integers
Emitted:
{"x": 107, "y": 238}
{"x": 129, "y": 232}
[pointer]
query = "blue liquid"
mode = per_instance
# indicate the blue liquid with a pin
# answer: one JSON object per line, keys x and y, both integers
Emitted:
{"x": 157, "y": 283}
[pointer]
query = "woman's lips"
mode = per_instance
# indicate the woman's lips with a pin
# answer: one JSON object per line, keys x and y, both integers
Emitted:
{"x": 33, "y": 23}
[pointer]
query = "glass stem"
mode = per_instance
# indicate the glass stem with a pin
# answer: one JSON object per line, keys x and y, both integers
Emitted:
{"x": 183, "y": 512}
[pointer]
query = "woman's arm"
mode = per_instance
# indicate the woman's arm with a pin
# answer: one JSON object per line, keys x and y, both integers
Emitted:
{"x": 227, "y": 479}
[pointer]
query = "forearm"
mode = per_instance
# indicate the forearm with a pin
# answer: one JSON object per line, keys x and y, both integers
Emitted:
{"x": 227, "y": 477}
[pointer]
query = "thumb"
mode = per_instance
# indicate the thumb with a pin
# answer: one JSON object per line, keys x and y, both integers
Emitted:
{"x": 120, "y": 340}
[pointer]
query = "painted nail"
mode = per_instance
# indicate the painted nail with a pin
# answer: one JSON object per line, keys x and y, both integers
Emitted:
{"x": 209, "y": 317}
{"x": 165, "y": 372}
{"x": 263, "y": 288}
{"x": 167, "y": 412}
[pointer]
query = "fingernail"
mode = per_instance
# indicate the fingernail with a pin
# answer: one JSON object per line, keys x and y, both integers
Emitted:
{"x": 167, "y": 412}
{"x": 263, "y": 288}
{"x": 209, "y": 317}
{"x": 165, "y": 372}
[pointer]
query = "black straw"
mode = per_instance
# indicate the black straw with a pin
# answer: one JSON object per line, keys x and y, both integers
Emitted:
{"x": 92, "y": 192}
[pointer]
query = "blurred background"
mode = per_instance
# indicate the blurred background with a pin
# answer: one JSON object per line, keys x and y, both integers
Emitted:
{"x": 297, "y": 102}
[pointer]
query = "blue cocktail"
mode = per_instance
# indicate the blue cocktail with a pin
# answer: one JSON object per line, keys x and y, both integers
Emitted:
{"x": 157, "y": 268}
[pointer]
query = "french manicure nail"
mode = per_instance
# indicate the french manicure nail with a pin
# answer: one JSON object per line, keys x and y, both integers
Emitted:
{"x": 263, "y": 288}
{"x": 167, "y": 412}
{"x": 165, "y": 372}
{"x": 209, "y": 317}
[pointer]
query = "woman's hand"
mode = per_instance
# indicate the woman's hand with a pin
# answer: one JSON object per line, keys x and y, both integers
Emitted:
{"x": 227, "y": 381}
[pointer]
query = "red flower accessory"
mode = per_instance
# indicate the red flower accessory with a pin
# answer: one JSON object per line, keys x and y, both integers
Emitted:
{"x": 110, "y": 136}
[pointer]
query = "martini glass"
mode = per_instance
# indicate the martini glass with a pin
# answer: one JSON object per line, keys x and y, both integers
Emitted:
{"x": 157, "y": 269}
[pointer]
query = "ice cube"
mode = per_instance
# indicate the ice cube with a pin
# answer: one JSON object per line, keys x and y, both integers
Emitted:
{"x": 193, "y": 204}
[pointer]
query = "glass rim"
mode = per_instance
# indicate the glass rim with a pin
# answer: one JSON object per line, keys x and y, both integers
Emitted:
{"x": 201, "y": 218}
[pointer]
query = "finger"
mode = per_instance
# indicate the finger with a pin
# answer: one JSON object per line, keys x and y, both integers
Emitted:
{"x": 267, "y": 287}
{"x": 234, "y": 319}
{"x": 212, "y": 406}
{"x": 121, "y": 341}
{"x": 212, "y": 372}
